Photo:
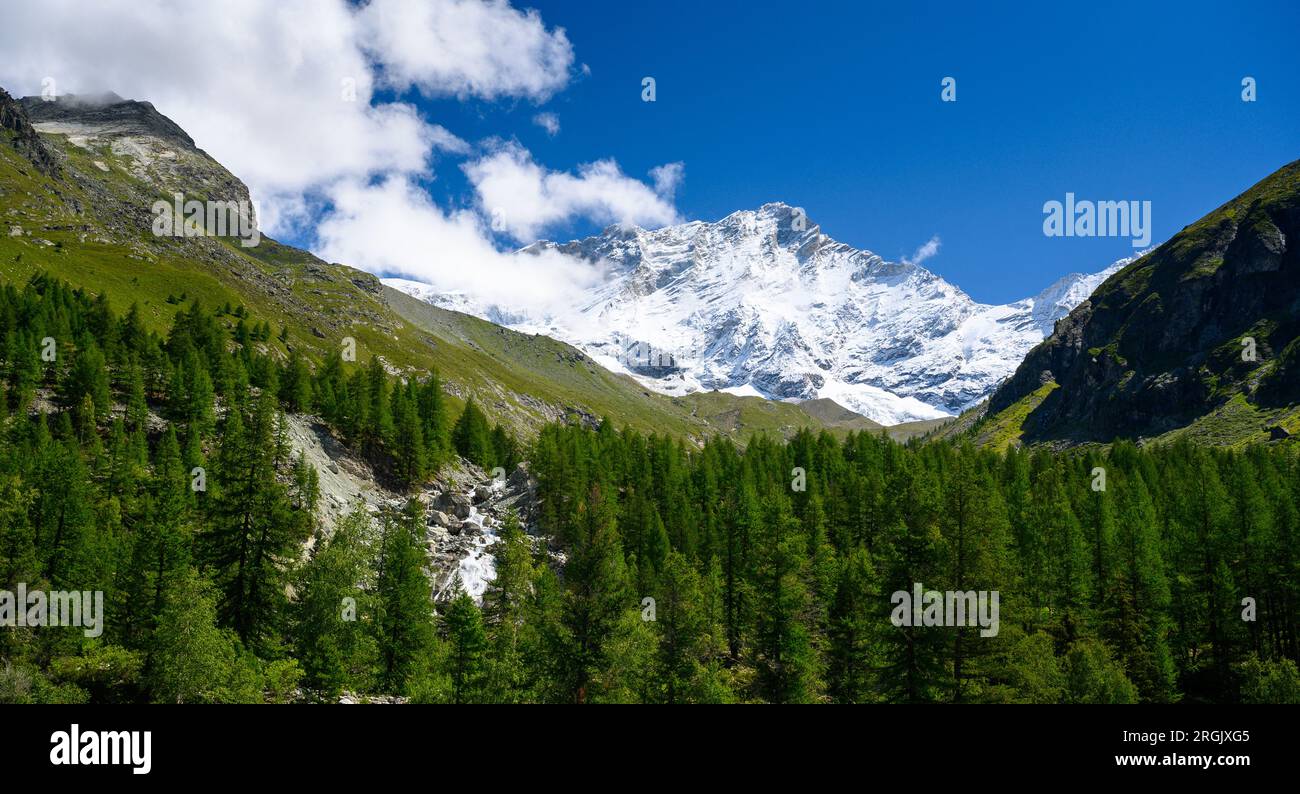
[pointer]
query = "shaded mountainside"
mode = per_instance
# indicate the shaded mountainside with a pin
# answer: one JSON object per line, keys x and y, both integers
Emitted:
{"x": 1163, "y": 347}
{"x": 78, "y": 180}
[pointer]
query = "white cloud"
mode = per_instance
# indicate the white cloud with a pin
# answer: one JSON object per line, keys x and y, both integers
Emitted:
{"x": 282, "y": 94}
{"x": 668, "y": 177}
{"x": 549, "y": 122}
{"x": 480, "y": 48}
{"x": 927, "y": 250}
{"x": 394, "y": 228}
{"x": 523, "y": 197}
{"x": 260, "y": 86}
{"x": 264, "y": 87}
{"x": 446, "y": 140}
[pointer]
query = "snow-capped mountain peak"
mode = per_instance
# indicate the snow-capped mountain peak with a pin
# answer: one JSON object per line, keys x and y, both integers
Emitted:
{"x": 763, "y": 302}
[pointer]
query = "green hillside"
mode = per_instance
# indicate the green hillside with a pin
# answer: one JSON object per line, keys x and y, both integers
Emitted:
{"x": 77, "y": 207}
{"x": 1199, "y": 339}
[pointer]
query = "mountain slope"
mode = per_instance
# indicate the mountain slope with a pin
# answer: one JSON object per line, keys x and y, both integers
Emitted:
{"x": 1163, "y": 347}
{"x": 761, "y": 302}
{"x": 78, "y": 178}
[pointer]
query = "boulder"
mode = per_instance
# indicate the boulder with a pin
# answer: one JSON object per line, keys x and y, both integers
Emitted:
{"x": 518, "y": 478}
{"x": 460, "y": 505}
{"x": 436, "y": 518}
{"x": 457, "y": 504}
{"x": 482, "y": 493}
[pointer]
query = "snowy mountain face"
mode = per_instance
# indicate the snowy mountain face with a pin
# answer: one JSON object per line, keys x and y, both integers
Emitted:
{"x": 761, "y": 302}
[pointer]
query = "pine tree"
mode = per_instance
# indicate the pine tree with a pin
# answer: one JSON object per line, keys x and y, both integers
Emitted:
{"x": 432, "y": 411}
{"x": 254, "y": 532}
{"x": 295, "y": 385}
{"x": 505, "y": 609}
{"x": 404, "y": 621}
{"x": 786, "y": 661}
{"x": 1138, "y": 599}
{"x": 197, "y": 662}
{"x": 472, "y": 436}
{"x": 851, "y": 657}
{"x": 379, "y": 416}
{"x": 88, "y": 378}
{"x": 62, "y": 516}
{"x": 18, "y": 561}
{"x": 975, "y": 536}
{"x": 466, "y": 641}
{"x": 911, "y": 553}
{"x": 161, "y": 550}
{"x": 595, "y": 597}
{"x": 331, "y": 637}
{"x": 1067, "y": 569}
{"x": 409, "y": 451}
{"x": 137, "y": 407}
{"x": 680, "y": 628}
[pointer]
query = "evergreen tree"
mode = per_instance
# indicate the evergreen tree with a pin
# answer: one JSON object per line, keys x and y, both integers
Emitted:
{"x": 594, "y": 599}
{"x": 254, "y": 533}
{"x": 404, "y": 613}
{"x": 680, "y": 628}
{"x": 466, "y": 641}
{"x": 852, "y": 654}
{"x": 331, "y": 637}
{"x": 161, "y": 551}
{"x": 472, "y": 436}
{"x": 787, "y": 665}
{"x": 505, "y": 608}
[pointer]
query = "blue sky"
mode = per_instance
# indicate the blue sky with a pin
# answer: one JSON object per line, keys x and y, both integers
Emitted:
{"x": 836, "y": 107}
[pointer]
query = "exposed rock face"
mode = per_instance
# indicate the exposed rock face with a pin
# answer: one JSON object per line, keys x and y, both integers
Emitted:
{"x": 464, "y": 508}
{"x": 1169, "y": 337}
{"x": 15, "y": 120}
{"x": 160, "y": 151}
{"x": 107, "y": 112}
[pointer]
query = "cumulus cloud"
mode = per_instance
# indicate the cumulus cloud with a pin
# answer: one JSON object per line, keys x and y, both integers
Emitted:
{"x": 549, "y": 122}
{"x": 284, "y": 94}
{"x": 481, "y": 48}
{"x": 523, "y": 197}
{"x": 281, "y": 93}
{"x": 393, "y": 227}
{"x": 668, "y": 177}
{"x": 286, "y": 108}
{"x": 926, "y": 251}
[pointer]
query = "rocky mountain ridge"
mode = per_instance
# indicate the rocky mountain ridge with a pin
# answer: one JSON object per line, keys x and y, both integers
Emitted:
{"x": 1201, "y": 335}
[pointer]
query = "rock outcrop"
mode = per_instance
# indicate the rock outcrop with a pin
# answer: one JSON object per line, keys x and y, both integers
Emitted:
{"x": 1211, "y": 316}
{"x": 15, "y": 120}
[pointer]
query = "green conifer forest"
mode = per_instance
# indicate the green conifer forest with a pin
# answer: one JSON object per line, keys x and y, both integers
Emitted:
{"x": 156, "y": 470}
